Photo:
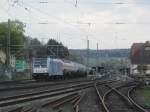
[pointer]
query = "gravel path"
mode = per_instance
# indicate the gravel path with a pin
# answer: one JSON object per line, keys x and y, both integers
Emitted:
{"x": 89, "y": 103}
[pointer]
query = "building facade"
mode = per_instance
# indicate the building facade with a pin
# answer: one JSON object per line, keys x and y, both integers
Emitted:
{"x": 140, "y": 59}
{"x": 2, "y": 57}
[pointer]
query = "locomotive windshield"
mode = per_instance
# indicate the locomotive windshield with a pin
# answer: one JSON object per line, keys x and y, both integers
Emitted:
{"x": 43, "y": 63}
{"x": 40, "y": 63}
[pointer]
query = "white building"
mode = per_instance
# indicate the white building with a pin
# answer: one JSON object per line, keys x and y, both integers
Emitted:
{"x": 2, "y": 57}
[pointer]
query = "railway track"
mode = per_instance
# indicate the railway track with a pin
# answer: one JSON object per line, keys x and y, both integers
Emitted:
{"x": 110, "y": 99}
{"x": 90, "y": 102}
{"x": 73, "y": 99}
{"x": 45, "y": 94}
{"x": 136, "y": 106}
{"x": 15, "y": 91}
{"x": 120, "y": 102}
{"x": 100, "y": 99}
{"x": 17, "y": 82}
{"x": 40, "y": 84}
{"x": 28, "y": 81}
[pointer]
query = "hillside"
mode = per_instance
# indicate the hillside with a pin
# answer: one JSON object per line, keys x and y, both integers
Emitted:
{"x": 114, "y": 53}
{"x": 104, "y": 56}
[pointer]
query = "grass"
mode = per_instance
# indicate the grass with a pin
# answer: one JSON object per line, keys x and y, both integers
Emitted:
{"x": 4, "y": 78}
{"x": 21, "y": 76}
{"x": 144, "y": 95}
{"x": 15, "y": 76}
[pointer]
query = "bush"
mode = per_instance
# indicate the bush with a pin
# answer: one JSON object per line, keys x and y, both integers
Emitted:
{"x": 21, "y": 76}
{"x": 4, "y": 77}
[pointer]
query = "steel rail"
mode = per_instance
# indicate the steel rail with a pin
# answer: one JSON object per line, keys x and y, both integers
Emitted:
{"x": 60, "y": 91}
{"x": 18, "y": 82}
{"x": 127, "y": 98}
{"x": 119, "y": 93}
{"x": 41, "y": 92}
{"x": 46, "y": 91}
{"x": 115, "y": 89}
{"x": 39, "y": 85}
{"x": 21, "y": 109}
{"x": 48, "y": 95}
{"x": 49, "y": 103}
{"x": 101, "y": 99}
{"x": 137, "y": 106}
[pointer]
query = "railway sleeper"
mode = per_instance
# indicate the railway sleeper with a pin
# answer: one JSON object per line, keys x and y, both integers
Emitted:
{"x": 29, "y": 110}
{"x": 135, "y": 105}
{"x": 22, "y": 109}
{"x": 76, "y": 99}
{"x": 101, "y": 101}
{"x": 77, "y": 102}
{"x": 60, "y": 99}
{"x": 122, "y": 96}
{"x": 58, "y": 104}
{"x": 18, "y": 109}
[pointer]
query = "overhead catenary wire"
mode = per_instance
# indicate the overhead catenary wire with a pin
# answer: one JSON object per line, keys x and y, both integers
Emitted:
{"x": 44, "y": 13}
{"x": 119, "y": 23}
{"x": 95, "y": 23}
{"x": 86, "y": 2}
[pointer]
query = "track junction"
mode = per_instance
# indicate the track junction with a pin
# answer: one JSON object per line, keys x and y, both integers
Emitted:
{"x": 77, "y": 95}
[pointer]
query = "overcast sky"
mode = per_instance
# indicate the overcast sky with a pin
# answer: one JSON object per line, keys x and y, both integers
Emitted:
{"x": 111, "y": 23}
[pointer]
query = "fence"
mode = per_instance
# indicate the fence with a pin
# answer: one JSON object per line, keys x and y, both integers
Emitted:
{"x": 14, "y": 73}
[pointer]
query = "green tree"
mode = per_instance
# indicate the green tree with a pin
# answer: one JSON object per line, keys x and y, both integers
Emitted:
{"x": 52, "y": 48}
{"x": 16, "y": 35}
{"x": 57, "y": 49}
{"x": 37, "y": 49}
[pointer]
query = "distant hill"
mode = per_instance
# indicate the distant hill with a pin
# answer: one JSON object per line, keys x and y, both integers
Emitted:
{"x": 114, "y": 53}
{"x": 107, "y": 55}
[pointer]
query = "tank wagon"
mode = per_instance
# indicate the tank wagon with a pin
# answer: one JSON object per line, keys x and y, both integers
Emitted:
{"x": 140, "y": 61}
{"x": 47, "y": 68}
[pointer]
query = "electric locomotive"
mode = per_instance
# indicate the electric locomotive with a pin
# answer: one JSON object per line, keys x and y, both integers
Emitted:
{"x": 47, "y": 68}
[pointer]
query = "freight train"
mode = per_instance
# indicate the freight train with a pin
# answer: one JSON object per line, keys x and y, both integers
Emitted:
{"x": 49, "y": 68}
{"x": 140, "y": 61}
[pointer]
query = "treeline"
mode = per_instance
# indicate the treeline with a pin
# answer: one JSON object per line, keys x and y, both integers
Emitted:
{"x": 20, "y": 44}
{"x": 17, "y": 36}
{"x": 106, "y": 53}
{"x": 52, "y": 48}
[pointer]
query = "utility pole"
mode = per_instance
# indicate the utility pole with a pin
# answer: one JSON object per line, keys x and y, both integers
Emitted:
{"x": 97, "y": 60}
{"x": 8, "y": 46}
{"x": 81, "y": 59}
{"x": 87, "y": 57}
{"x": 7, "y": 70}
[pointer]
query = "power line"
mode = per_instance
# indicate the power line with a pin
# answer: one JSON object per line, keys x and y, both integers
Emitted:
{"x": 43, "y": 2}
{"x": 45, "y": 13}
{"x": 117, "y": 23}
{"x": 89, "y": 2}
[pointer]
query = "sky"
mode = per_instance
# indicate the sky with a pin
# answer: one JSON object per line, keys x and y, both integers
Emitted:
{"x": 113, "y": 24}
